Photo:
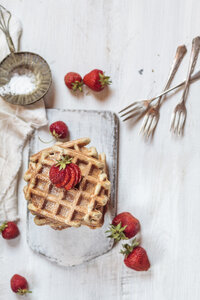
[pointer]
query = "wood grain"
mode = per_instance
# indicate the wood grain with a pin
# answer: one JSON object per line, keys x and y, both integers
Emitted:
{"x": 158, "y": 181}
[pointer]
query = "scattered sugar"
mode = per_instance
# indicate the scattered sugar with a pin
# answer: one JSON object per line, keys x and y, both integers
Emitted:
{"x": 20, "y": 83}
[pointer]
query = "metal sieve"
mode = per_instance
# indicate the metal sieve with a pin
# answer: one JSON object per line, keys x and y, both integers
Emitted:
{"x": 22, "y": 63}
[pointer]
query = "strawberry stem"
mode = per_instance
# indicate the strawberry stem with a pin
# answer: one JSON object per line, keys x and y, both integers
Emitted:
{"x": 45, "y": 141}
{"x": 127, "y": 249}
{"x": 77, "y": 85}
{"x": 65, "y": 160}
{"x": 23, "y": 291}
{"x": 3, "y": 226}
{"x": 104, "y": 80}
{"x": 117, "y": 232}
{"x": 55, "y": 136}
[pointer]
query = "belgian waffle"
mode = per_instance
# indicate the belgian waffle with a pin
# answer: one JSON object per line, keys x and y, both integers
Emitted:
{"x": 84, "y": 205}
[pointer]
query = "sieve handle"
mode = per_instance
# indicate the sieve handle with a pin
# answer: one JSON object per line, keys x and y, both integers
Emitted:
{"x": 5, "y": 17}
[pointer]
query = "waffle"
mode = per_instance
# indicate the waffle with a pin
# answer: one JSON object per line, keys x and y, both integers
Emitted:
{"x": 58, "y": 208}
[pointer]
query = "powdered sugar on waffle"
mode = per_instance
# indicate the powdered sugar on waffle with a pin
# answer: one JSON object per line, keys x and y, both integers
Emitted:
{"x": 60, "y": 208}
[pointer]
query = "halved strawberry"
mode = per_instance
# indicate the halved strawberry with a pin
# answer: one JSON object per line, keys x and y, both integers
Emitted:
{"x": 78, "y": 173}
{"x": 56, "y": 174}
{"x": 72, "y": 179}
{"x": 66, "y": 179}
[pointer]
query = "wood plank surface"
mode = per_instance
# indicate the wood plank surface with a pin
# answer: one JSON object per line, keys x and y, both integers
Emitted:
{"x": 158, "y": 181}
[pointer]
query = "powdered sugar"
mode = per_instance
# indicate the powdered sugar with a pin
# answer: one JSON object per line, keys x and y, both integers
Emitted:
{"x": 20, "y": 83}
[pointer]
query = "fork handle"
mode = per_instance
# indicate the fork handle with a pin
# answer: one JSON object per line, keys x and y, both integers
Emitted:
{"x": 195, "y": 77}
{"x": 180, "y": 52}
{"x": 193, "y": 59}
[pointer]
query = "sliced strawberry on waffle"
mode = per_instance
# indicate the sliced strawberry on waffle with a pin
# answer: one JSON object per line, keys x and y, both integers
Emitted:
{"x": 65, "y": 174}
{"x": 66, "y": 179}
{"x": 73, "y": 179}
{"x": 56, "y": 174}
{"x": 78, "y": 173}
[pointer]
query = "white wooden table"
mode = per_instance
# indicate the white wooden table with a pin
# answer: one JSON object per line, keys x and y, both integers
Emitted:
{"x": 158, "y": 181}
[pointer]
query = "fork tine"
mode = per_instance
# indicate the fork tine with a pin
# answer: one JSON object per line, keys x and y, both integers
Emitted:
{"x": 148, "y": 126}
{"x": 145, "y": 120}
{"x": 181, "y": 123}
{"x": 130, "y": 111}
{"x": 131, "y": 116}
{"x": 177, "y": 121}
{"x": 153, "y": 126}
{"x": 172, "y": 121}
{"x": 131, "y": 105}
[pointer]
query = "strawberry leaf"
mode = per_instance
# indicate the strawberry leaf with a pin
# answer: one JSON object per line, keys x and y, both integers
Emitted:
{"x": 56, "y": 135}
{"x": 127, "y": 249}
{"x": 3, "y": 226}
{"x": 65, "y": 160}
{"x": 104, "y": 80}
{"x": 117, "y": 232}
{"x": 77, "y": 85}
{"x": 23, "y": 291}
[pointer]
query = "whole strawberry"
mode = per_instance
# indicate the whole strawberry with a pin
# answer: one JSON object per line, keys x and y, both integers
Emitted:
{"x": 9, "y": 230}
{"x": 135, "y": 257}
{"x": 59, "y": 130}
{"x": 73, "y": 81}
{"x": 124, "y": 226}
{"x": 96, "y": 80}
{"x": 19, "y": 285}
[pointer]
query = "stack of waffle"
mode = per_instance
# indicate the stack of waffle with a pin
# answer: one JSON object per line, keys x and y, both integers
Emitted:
{"x": 57, "y": 207}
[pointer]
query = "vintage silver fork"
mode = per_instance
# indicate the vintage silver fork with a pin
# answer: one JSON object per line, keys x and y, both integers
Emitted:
{"x": 179, "y": 114}
{"x": 141, "y": 106}
{"x": 152, "y": 115}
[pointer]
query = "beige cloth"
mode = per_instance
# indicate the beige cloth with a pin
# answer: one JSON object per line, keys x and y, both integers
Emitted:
{"x": 16, "y": 124}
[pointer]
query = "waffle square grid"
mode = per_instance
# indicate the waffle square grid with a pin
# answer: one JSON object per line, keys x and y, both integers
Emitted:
{"x": 60, "y": 208}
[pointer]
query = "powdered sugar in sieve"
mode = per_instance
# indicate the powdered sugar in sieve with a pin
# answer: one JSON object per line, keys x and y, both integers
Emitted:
{"x": 21, "y": 82}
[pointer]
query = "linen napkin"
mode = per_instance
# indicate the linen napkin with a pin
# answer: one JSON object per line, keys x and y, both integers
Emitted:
{"x": 16, "y": 124}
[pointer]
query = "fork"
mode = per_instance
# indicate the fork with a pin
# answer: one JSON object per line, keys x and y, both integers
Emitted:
{"x": 142, "y": 105}
{"x": 179, "y": 113}
{"x": 152, "y": 115}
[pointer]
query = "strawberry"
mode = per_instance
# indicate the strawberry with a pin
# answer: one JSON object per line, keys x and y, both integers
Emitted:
{"x": 58, "y": 171}
{"x": 19, "y": 285}
{"x": 124, "y": 226}
{"x": 96, "y": 80}
{"x": 66, "y": 179}
{"x": 9, "y": 230}
{"x": 73, "y": 81}
{"x": 72, "y": 181}
{"x": 56, "y": 174}
{"x": 78, "y": 173}
{"x": 65, "y": 174}
{"x": 59, "y": 130}
{"x": 135, "y": 257}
